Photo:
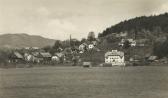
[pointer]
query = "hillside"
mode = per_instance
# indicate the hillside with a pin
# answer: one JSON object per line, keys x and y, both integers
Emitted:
{"x": 24, "y": 40}
{"x": 140, "y": 24}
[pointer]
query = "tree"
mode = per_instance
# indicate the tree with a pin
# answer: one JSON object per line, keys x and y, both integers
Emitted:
{"x": 75, "y": 42}
{"x": 83, "y": 40}
{"x": 161, "y": 49}
{"x": 4, "y": 57}
{"x": 152, "y": 23}
{"x": 126, "y": 44}
{"x": 57, "y": 45}
{"x": 91, "y": 36}
{"x": 111, "y": 39}
{"x": 47, "y": 48}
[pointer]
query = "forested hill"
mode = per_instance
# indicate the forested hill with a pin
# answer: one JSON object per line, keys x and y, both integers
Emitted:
{"x": 24, "y": 40}
{"x": 138, "y": 24}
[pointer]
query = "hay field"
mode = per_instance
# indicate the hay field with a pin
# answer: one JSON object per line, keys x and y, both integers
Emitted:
{"x": 78, "y": 82}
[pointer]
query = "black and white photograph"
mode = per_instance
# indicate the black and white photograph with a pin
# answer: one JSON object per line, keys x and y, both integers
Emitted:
{"x": 83, "y": 49}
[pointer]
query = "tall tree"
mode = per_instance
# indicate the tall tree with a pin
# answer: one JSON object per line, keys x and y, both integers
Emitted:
{"x": 83, "y": 40}
{"x": 57, "y": 45}
{"x": 91, "y": 36}
{"x": 126, "y": 44}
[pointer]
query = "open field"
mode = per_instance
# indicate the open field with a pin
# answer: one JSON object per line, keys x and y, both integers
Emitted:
{"x": 77, "y": 82}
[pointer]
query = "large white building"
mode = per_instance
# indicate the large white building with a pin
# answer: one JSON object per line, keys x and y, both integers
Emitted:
{"x": 115, "y": 57}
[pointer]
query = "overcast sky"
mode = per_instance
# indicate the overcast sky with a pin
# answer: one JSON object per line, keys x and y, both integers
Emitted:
{"x": 57, "y": 19}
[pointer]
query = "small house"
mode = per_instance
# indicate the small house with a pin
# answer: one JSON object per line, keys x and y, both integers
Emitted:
{"x": 83, "y": 47}
{"x": 16, "y": 57}
{"x": 34, "y": 57}
{"x": 152, "y": 58}
{"x": 55, "y": 59}
{"x": 131, "y": 41}
{"x": 61, "y": 56}
{"x": 123, "y": 34}
{"x": 91, "y": 46}
{"x": 94, "y": 43}
{"x": 46, "y": 55}
{"x": 164, "y": 60}
{"x": 115, "y": 57}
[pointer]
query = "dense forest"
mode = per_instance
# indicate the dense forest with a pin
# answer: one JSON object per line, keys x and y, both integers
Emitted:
{"x": 138, "y": 24}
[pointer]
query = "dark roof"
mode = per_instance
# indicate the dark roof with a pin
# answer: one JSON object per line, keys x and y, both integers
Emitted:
{"x": 45, "y": 54}
{"x": 17, "y": 55}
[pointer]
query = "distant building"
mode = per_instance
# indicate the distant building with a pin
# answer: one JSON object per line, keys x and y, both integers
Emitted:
{"x": 46, "y": 56}
{"x": 33, "y": 57}
{"x": 91, "y": 46}
{"x": 83, "y": 47}
{"x": 161, "y": 39}
{"x": 115, "y": 57}
{"x": 152, "y": 58}
{"x": 132, "y": 42}
{"x": 123, "y": 34}
{"x": 16, "y": 57}
{"x": 94, "y": 43}
{"x": 142, "y": 42}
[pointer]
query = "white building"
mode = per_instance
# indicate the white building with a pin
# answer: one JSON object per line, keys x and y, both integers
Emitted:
{"x": 115, "y": 57}
{"x": 82, "y": 47}
{"x": 131, "y": 41}
{"x": 123, "y": 34}
{"x": 91, "y": 46}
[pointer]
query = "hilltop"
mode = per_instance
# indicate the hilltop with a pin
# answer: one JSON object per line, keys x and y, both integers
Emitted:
{"x": 24, "y": 40}
{"x": 140, "y": 24}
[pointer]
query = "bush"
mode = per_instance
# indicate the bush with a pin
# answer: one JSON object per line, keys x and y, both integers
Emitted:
{"x": 161, "y": 49}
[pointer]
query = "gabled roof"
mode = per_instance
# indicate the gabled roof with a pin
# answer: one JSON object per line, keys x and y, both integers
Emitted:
{"x": 17, "y": 55}
{"x": 45, "y": 54}
{"x": 85, "y": 44}
{"x": 151, "y": 58}
{"x": 114, "y": 53}
{"x": 36, "y": 54}
{"x": 59, "y": 54}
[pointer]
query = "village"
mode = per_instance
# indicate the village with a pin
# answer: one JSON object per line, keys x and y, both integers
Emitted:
{"x": 83, "y": 48}
{"x": 89, "y": 52}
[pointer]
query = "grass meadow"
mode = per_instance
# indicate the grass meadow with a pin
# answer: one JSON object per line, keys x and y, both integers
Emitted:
{"x": 78, "y": 82}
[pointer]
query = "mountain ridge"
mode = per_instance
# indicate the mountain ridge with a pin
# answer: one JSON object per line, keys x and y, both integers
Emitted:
{"x": 24, "y": 40}
{"x": 139, "y": 24}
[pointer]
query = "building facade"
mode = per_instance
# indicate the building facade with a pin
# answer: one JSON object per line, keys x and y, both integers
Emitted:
{"x": 114, "y": 57}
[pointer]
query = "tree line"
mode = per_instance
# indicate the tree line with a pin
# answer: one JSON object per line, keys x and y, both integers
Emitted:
{"x": 138, "y": 24}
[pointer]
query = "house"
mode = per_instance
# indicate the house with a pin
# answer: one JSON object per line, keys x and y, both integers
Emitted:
{"x": 83, "y": 47}
{"x": 61, "y": 57}
{"x": 91, "y": 46}
{"x": 35, "y": 48}
{"x": 164, "y": 60}
{"x": 152, "y": 58}
{"x": 135, "y": 58}
{"x": 94, "y": 43}
{"x": 142, "y": 42}
{"x": 16, "y": 57}
{"x": 131, "y": 41}
{"x": 123, "y": 34}
{"x": 34, "y": 57}
{"x": 28, "y": 57}
{"x": 161, "y": 39}
{"x": 117, "y": 35}
{"x": 46, "y": 56}
{"x": 87, "y": 64}
{"x": 121, "y": 44}
{"x": 55, "y": 59}
{"x": 115, "y": 57}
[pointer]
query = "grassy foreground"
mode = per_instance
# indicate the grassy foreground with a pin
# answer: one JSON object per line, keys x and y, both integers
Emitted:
{"x": 78, "y": 82}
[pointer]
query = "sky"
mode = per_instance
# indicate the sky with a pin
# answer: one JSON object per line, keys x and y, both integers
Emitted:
{"x": 57, "y": 19}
